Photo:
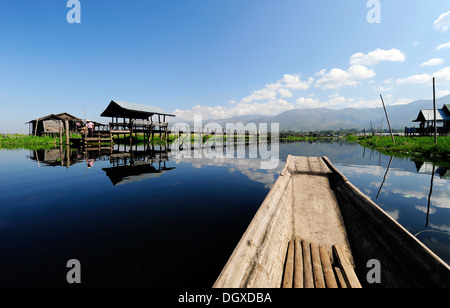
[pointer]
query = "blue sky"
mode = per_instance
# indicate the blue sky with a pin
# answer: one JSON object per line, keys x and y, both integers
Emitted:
{"x": 218, "y": 58}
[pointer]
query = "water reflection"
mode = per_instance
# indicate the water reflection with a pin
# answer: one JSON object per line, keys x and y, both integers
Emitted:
{"x": 385, "y": 175}
{"x": 414, "y": 193}
{"x": 135, "y": 166}
{"x": 430, "y": 168}
{"x": 62, "y": 156}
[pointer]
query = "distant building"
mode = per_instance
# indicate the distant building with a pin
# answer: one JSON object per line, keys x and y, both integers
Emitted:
{"x": 426, "y": 120}
{"x": 426, "y": 117}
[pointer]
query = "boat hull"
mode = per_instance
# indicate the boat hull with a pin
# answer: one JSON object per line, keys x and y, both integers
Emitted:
{"x": 311, "y": 200}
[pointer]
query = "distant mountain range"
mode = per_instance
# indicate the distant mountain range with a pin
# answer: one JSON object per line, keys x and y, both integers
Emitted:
{"x": 309, "y": 119}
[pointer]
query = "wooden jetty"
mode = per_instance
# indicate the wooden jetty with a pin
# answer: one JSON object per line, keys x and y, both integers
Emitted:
{"x": 316, "y": 229}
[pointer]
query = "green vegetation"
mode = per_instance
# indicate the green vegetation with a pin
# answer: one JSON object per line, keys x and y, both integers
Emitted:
{"x": 420, "y": 148}
{"x": 300, "y": 138}
{"x": 317, "y": 133}
{"x": 19, "y": 141}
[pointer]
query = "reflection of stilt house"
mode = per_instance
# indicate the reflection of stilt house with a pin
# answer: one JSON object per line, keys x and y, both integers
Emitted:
{"x": 130, "y": 118}
{"x": 51, "y": 124}
{"x": 55, "y": 157}
{"x": 134, "y": 166}
{"x": 428, "y": 168}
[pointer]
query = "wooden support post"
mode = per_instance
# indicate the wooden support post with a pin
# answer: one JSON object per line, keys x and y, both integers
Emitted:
{"x": 67, "y": 132}
{"x": 61, "y": 155}
{"x": 434, "y": 107}
{"x": 67, "y": 156}
{"x": 387, "y": 118}
{"x": 35, "y": 128}
{"x": 60, "y": 132}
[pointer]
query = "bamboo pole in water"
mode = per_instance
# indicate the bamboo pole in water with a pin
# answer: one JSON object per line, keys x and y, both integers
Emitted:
{"x": 387, "y": 118}
{"x": 434, "y": 107}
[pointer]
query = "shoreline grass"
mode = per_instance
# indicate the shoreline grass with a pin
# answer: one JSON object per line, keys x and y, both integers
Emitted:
{"x": 20, "y": 141}
{"x": 418, "y": 148}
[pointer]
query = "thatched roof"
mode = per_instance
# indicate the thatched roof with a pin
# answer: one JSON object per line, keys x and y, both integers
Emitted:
{"x": 132, "y": 110}
{"x": 60, "y": 116}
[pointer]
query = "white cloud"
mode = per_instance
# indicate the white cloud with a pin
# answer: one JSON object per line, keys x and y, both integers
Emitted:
{"x": 269, "y": 100}
{"x": 395, "y": 214}
{"x": 280, "y": 96}
{"x": 415, "y": 79}
{"x": 425, "y": 209}
{"x": 402, "y": 101}
{"x": 443, "y": 22}
{"x": 321, "y": 73}
{"x": 281, "y": 87}
{"x": 376, "y": 56}
{"x": 268, "y": 93}
{"x": 443, "y": 75}
{"x": 337, "y": 77}
{"x": 271, "y": 107}
{"x": 443, "y": 46}
{"x": 433, "y": 62}
{"x": 443, "y": 93}
{"x": 416, "y": 43}
{"x": 307, "y": 102}
{"x": 382, "y": 89}
{"x": 336, "y": 101}
{"x": 285, "y": 93}
{"x": 293, "y": 82}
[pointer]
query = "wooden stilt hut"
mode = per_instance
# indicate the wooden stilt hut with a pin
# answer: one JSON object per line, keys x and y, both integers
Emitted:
{"x": 132, "y": 119}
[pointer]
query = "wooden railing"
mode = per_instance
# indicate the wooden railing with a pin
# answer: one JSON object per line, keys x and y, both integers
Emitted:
{"x": 137, "y": 125}
{"x": 119, "y": 126}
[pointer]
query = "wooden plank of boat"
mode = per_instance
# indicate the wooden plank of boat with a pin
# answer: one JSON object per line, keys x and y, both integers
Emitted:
{"x": 289, "y": 266}
{"x": 347, "y": 270}
{"x": 328, "y": 273}
{"x": 319, "y": 280}
{"x": 307, "y": 266}
{"x": 311, "y": 200}
{"x": 316, "y": 270}
{"x": 298, "y": 265}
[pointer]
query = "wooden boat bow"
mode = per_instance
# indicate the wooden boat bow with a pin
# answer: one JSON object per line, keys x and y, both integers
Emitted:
{"x": 313, "y": 203}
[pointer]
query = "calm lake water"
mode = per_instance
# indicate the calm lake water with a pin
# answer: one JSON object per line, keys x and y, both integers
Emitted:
{"x": 173, "y": 219}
